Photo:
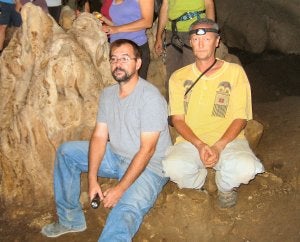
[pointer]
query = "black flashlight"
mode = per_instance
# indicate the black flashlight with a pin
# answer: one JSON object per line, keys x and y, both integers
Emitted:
{"x": 95, "y": 202}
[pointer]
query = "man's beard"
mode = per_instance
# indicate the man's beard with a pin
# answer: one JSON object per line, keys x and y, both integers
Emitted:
{"x": 121, "y": 79}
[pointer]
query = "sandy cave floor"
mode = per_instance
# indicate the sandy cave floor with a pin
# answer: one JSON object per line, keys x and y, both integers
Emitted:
{"x": 268, "y": 208}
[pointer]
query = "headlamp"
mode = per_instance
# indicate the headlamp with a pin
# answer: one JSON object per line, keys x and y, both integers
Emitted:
{"x": 203, "y": 31}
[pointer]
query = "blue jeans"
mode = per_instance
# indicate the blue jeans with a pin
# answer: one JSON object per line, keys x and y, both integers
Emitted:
{"x": 125, "y": 218}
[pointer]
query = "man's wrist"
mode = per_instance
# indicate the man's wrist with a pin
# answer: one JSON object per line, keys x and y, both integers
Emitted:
{"x": 159, "y": 35}
{"x": 199, "y": 144}
{"x": 92, "y": 178}
{"x": 121, "y": 188}
{"x": 219, "y": 146}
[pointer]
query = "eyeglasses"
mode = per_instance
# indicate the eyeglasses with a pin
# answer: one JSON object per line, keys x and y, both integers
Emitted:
{"x": 203, "y": 31}
{"x": 124, "y": 59}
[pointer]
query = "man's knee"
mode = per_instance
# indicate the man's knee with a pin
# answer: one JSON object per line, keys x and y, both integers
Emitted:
{"x": 184, "y": 174}
{"x": 64, "y": 148}
{"x": 66, "y": 153}
{"x": 173, "y": 168}
{"x": 247, "y": 166}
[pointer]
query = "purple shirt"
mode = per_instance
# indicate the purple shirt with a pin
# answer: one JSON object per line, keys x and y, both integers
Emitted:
{"x": 126, "y": 12}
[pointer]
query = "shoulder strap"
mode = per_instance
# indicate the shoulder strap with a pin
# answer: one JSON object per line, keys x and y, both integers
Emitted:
{"x": 203, "y": 73}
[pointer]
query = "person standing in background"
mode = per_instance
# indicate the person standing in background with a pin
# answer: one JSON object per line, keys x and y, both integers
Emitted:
{"x": 131, "y": 18}
{"x": 105, "y": 8}
{"x": 103, "y": 16}
{"x": 9, "y": 16}
{"x": 83, "y": 6}
{"x": 175, "y": 17}
{"x": 79, "y": 6}
{"x": 95, "y": 5}
{"x": 54, "y": 8}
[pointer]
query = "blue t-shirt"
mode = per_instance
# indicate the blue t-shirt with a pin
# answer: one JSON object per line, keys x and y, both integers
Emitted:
{"x": 144, "y": 110}
{"x": 126, "y": 12}
{"x": 8, "y": 1}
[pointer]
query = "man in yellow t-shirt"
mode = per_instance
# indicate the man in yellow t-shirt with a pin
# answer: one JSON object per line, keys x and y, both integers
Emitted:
{"x": 210, "y": 116}
{"x": 182, "y": 14}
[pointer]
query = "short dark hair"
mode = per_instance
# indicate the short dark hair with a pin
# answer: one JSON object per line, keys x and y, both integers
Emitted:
{"x": 117, "y": 43}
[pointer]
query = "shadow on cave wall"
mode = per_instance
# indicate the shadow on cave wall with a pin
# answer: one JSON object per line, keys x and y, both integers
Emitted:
{"x": 272, "y": 75}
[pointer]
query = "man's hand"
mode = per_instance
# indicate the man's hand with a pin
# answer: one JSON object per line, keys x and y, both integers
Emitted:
{"x": 208, "y": 155}
{"x": 94, "y": 188}
{"x": 109, "y": 29}
{"x": 158, "y": 46}
{"x": 204, "y": 151}
{"x": 112, "y": 197}
{"x": 213, "y": 157}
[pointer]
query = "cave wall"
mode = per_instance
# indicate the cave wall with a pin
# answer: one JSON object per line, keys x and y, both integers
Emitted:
{"x": 49, "y": 86}
{"x": 260, "y": 25}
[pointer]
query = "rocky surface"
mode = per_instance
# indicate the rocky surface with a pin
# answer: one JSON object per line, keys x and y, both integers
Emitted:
{"x": 49, "y": 85}
{"x": 258, "y": 26}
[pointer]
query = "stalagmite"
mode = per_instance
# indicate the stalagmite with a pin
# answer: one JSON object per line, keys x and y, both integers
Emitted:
{"x": 50, "y": 83}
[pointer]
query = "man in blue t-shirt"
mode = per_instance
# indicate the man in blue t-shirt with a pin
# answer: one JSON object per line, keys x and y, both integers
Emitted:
{"x": 9, "y": 16}
{"x": 133, "y": 115}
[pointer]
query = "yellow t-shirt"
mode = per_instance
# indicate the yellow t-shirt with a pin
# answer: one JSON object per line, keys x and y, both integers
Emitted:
{"x": 214, "y": 102}
{"x": 178, "y": 7}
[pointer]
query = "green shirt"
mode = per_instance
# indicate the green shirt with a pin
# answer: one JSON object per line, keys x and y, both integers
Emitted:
{"x": 178, "y": 7}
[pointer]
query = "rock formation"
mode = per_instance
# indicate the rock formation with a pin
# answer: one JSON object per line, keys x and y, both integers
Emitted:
{"x": 257, "y": 26}
{"x": 49, "y": 88}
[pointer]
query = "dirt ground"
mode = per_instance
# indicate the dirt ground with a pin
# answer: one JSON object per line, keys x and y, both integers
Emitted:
{"x": 268, "y": 209}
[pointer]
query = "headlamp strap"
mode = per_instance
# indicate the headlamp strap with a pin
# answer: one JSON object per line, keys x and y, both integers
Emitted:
{"x": 202, "y": 31}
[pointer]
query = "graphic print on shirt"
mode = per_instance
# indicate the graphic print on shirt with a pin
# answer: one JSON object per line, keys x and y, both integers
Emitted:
{"x": 186, "y": 98}
{"x": 222, "y": 99}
